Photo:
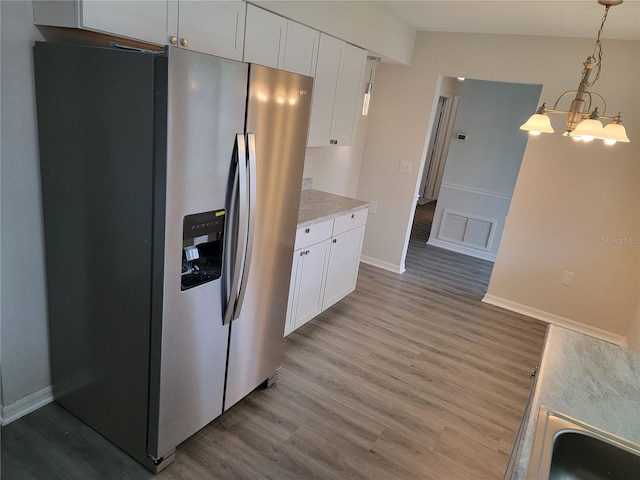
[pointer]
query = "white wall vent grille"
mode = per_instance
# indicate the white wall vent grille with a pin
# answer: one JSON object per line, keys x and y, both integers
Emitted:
{"x": 466, "y": 230}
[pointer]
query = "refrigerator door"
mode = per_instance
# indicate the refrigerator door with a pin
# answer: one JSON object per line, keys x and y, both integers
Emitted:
{"x": 206, "y": 109}
{"x": 278, "y": 117}
{"x": 97, "y": 149}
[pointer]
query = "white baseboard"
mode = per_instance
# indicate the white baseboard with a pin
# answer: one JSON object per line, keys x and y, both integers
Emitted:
{"x": 390, "y": 267}
{"x": 26, "y": 405}
{"x": 556, "y": 320}
{"x": 454, "y": 247}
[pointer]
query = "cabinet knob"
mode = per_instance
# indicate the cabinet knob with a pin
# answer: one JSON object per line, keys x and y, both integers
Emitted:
{"x": 353, "y": 215}
{"x": 335, "y": 240}
{"x": 333, "y": 142}
{"x": 307, "y": 230}
{"x": 174, "y": 40}
{"x": 185, "y": 42}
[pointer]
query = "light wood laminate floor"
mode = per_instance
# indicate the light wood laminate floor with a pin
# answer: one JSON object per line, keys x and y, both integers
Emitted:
{"x": 409, "y": 377}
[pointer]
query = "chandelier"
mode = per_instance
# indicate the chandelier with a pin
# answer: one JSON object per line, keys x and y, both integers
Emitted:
{"x": 583, "y": 123}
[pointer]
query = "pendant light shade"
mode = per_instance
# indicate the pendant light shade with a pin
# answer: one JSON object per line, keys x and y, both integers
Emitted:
{"x": 615, "y": 132}
{"x": 588, "y": 129}
{"x": 538, "y": 123}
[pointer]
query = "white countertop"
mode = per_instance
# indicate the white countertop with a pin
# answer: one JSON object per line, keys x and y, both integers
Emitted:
{"x": 589, "y": 379}
{"x": 316, "y": 206}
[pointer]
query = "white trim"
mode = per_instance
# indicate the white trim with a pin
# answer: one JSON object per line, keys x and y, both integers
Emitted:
{"x": 456, "y": 247}
{"x": 556, "y": 320}
{"x": 26, "y": 405}
{"x": 390, "y": 267}
{"x": 477, "y": 191}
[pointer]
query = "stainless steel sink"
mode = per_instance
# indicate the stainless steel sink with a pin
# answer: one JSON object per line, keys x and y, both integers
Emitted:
{"x": 567, "y": 449}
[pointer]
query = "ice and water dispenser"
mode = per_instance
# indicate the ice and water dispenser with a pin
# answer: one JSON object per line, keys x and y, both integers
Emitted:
{"x": 202, "y": 239}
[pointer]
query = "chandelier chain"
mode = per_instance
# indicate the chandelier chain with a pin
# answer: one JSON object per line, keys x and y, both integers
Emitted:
{"x": 597, "y": 50}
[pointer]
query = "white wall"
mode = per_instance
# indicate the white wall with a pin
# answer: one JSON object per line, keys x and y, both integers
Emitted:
{"x": 481, "y": 171}
{"x": 567, "y": 197}
{"x": 25, "y": 354}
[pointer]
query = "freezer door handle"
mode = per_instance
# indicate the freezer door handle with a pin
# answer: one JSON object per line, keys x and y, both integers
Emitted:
{"x": 239, "y": 215}
{"x": 251, "y": 220}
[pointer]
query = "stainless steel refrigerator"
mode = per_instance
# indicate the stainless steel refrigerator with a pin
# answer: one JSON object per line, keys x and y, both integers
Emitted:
{"x": 170, "y": 191}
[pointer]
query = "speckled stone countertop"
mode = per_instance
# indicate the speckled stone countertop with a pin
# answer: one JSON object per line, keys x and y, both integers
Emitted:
{"x": 588, "y": 379}
{"x": 316, "y": 206}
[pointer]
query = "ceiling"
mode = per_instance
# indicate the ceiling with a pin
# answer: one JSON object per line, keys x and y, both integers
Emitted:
{"x": 569, "y": 18}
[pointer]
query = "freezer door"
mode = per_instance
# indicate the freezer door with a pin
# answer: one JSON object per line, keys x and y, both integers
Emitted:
{"x": 95, "y": 121}
{"x": 206, "y": 109}
{"x": 277, "y": 124}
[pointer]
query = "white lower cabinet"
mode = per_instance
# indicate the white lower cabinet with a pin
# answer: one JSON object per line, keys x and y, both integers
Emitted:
{"x": 325, "y": 266}
{"x": 342, "y": 271}
{"x": 307, "y": 278}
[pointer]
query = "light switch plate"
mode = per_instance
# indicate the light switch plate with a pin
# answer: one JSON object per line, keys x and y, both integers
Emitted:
{"x": 405, "y": 166}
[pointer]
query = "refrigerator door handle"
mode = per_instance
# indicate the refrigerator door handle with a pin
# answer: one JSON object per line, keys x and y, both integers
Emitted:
{"x": 239, "y": 214}
{"x": 251, "y": 220}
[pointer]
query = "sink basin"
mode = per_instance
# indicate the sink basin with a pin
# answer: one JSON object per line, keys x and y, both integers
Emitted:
{"x": 565, "y": 448}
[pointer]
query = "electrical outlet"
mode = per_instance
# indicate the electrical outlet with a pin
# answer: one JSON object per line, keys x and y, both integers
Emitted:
{"x": 567, "y": 278}
{"x": 405, "y": 166}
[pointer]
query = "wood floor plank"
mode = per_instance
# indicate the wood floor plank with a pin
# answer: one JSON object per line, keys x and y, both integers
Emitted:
{"x": 409, "y": 377}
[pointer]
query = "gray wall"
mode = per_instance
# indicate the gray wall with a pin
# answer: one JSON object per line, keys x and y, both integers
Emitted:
{"x": 481, "y": 171}
{"x": 23, "y": 320}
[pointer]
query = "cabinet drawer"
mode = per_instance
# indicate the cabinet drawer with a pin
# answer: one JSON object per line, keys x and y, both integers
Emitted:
{"x": 349, "y": 221}
{"x": 315, "y": 233}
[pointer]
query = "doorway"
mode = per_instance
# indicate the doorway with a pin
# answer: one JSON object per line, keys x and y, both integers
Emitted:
{"x": 481, "y": 165}
{"x": 435, "y": 159}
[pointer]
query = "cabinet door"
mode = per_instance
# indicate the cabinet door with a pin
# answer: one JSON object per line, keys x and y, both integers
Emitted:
{"x": 214, "y": 27}
{"x": 301, "y": 49}
{"x": 330, "y": 58}
{"x": 311, "y": 265}
{"x": 153, "y": 21}
{"x": 348, "y": 95}
{"x": 265, "y": 36}
{"x": 289, "y": 323}
{"x": 342, "y": 270}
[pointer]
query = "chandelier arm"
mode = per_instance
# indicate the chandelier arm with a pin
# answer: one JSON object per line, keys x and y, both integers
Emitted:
{"x": 555, "y": 105}
{"x": 604, "y": 104}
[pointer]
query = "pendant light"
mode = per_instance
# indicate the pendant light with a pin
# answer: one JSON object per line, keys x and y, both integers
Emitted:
{"x": 369, "y": 88}
{"x": 583, "y": 124}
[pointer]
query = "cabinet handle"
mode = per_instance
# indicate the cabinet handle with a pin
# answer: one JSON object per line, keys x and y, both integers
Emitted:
{"x": 308, "y": 252}
{"x": 185, "y": 42}
{"x": 353, "y": 215}
{"x": 333, "y": 142}
{"x": 307, "y": 230}
{"x": 335, "y": 240}
{"x": 174, "y": 40}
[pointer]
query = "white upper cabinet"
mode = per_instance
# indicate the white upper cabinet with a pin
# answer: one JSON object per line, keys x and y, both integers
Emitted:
{"x": 152, "y": 21}
{"x": 348, "y": 94}
{"x": 265, "y": 38}
{"x": 215, "y": 27}
{"x": 276, "y": 42}
{"x": 336, "y": 92}
{"x": 301, "y": 49}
